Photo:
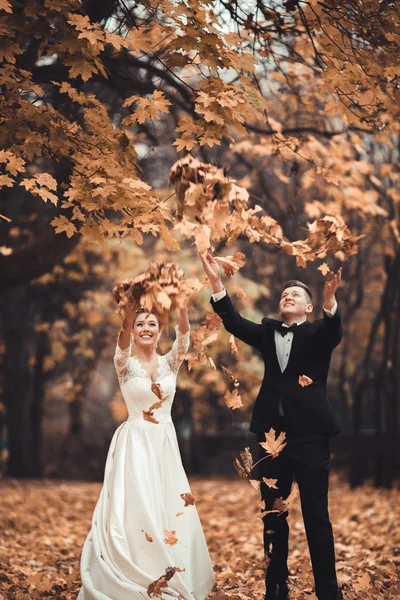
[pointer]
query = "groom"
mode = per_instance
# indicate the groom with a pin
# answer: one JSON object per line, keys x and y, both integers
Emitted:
{"x": 291, "y": 348}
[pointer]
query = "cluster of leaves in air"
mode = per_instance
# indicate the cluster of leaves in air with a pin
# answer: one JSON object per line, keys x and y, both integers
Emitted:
{"x": 212, "y": 207}
{"x": 161, "y": 288}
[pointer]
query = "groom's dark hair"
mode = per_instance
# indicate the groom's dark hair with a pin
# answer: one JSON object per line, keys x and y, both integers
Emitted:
{"x": 297, "y": 283}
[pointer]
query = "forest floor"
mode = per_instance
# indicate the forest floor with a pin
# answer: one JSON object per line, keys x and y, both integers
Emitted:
{"x": 43, "y": 525}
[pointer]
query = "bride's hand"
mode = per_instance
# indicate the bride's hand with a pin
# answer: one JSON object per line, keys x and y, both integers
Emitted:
{"x": 127, "y": 309}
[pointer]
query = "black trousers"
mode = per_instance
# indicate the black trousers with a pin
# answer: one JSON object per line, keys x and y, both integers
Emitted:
{"x": 305, "y": 459}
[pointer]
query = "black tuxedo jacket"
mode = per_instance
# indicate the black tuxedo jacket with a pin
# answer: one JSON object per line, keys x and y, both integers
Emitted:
{"x": 306, "y": 409}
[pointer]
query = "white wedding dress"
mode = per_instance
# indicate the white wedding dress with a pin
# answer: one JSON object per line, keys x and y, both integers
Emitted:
{"x": 141, "y": 500}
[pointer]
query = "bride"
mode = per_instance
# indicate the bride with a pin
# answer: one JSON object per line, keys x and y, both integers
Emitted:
{"x": 146, "y": 538}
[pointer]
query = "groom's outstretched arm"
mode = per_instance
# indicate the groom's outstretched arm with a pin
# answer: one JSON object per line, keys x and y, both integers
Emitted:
{"x": 249, "y": 332}
{"x": 331, "y": 331}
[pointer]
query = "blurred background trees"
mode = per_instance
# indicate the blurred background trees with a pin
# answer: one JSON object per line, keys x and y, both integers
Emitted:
{"x": 299, "y": 101}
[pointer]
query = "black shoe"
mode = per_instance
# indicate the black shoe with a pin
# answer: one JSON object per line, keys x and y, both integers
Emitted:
{"x": 277, "y": 591}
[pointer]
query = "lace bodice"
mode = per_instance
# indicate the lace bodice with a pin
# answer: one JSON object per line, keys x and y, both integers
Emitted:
{"x": 136, "y": 384}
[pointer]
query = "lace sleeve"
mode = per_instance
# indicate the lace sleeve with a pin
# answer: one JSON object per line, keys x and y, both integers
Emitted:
{"x": 178, "y": 350}
{"x": 121, "y": 362}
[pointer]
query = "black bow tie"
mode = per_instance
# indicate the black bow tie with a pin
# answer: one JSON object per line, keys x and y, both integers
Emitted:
{"x": 284, "y": 330}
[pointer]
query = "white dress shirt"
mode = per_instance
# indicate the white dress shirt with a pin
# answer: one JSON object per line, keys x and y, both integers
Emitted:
{"x": 283, "y": 344}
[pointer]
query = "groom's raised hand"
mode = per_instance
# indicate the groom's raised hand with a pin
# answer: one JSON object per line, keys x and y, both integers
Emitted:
{"x": 212, "y": 270}
{"x": 331, "y": 285}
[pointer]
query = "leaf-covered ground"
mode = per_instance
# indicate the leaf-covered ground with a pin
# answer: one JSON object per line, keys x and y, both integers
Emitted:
{"x": 43, "y": 525}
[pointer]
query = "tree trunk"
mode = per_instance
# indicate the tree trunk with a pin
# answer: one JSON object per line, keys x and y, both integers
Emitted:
{"x": 36, "y": 409}
{"x": 384, "y": 385}
{"x": 18, "y": 329}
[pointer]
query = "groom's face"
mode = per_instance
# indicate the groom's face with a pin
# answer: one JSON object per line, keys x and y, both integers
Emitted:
{"x": 295, "y": 302}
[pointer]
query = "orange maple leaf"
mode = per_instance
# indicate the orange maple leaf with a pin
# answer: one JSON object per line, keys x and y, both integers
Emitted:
{"x": 274, "y": 445}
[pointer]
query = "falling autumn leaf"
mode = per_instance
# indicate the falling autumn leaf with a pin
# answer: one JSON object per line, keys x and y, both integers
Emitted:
{"x": 156, "y": 389}
{"x": 282, "y": 505}
{"x": 212, "y": 363}
{"x": 148, "y": 416}
{"x": 231, "y": 264}
{"x": 147, "y": 535}
{"x": 305, "y": 381}
{"x": 271, "y": 483}
{"x": 232, "y": 344}
{"x": 324, "y": 269}
{"x": 179, "y": 514}
{"x": 161, "y": 288}
{"x": 254, "y": 483}
{"x": 245, "y": 467}
{"x": 156, "y": 587}
{"x": 274, "y": 445}
{"x": 188, "y": 498}
{"x": 233, "y": 399}
{"x": 170, "y": 538}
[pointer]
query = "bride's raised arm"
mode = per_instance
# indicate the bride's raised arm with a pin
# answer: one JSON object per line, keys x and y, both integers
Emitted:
{"x": 181, "y": 343}
{"x": 184, "y": 324}
{"x": 123, "y": 349}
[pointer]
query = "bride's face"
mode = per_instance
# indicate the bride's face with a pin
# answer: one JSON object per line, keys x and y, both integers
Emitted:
{"x": 146, "y": 330}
